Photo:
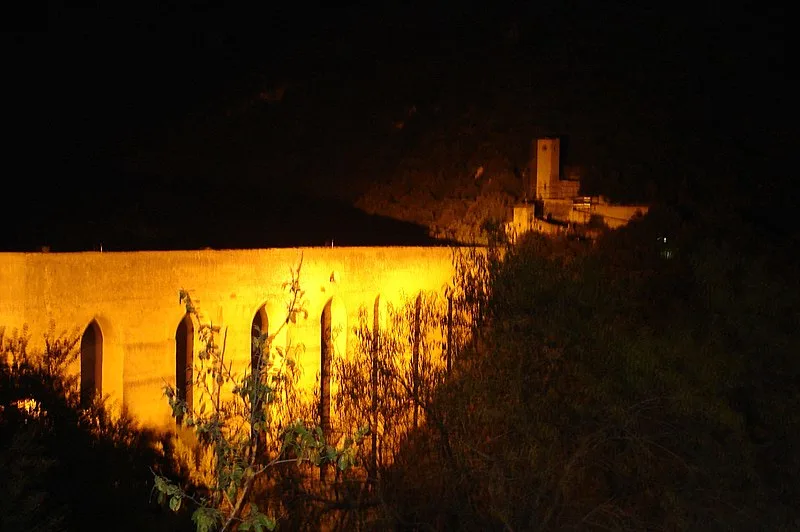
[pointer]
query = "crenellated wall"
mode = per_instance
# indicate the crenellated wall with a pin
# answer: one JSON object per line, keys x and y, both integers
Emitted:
{"x": 133, "y": 297}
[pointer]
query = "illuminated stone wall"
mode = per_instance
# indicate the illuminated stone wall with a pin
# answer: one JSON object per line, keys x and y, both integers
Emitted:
{"x": 615, "y": 216}
{"x": 548, "y": 167}
{"x": 133, "y": 298}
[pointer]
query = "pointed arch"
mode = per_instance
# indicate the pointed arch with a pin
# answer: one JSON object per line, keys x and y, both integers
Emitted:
{"x": 333, "y": 343}
{"x": 91, "y": 362}
{"x": 184, "y": 362}
{"x": 259, "y": 327}
{"x": 326, "y": 354}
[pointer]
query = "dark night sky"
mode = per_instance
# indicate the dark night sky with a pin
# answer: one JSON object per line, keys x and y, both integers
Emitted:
{"x": 99, "y": 101}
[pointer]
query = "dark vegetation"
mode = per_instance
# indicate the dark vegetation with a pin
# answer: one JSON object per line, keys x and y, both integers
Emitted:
{"x": 67, "y": 466}
{"x": 633, "y": 384}
{"x": 615, "y": 388}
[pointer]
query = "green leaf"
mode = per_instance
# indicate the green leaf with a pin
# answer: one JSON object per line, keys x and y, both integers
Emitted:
{"x": 175, "y": 503}
{"x": 206, "y": 519}
{"x": 161, "y": 484}
{"x": 257, "y": 521}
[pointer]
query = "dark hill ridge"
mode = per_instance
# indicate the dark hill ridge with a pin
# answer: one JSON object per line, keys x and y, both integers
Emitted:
{"x": 144, "y": 213}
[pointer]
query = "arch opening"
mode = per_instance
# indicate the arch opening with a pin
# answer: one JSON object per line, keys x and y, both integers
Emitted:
{"x": 259, "y": 330}
{"x": 333, "y": 343}
{"x": 91, "y": 363}
{"x": 184, "y": 363}
{"x": 326, "y": 354}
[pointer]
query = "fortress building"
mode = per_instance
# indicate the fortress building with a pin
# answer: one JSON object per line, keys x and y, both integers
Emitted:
{"x": 556, "y": 206}
{"x": 136, "y": 336}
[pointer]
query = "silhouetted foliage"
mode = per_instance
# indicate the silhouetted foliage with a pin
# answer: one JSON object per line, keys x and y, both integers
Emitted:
{"x": 634, "y": 384}
{"x": 65, "y": 466}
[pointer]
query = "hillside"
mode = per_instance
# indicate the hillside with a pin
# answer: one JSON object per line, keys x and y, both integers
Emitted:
{"x": 432, "y": 124}
{"x": 424, "y": 116}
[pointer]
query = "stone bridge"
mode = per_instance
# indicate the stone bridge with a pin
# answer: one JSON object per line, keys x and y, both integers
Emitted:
{"x": 136, "y": 335}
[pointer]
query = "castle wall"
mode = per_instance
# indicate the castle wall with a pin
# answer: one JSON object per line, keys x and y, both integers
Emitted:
{"x": 133, "y": 297}
{"x": 616, "y": 216}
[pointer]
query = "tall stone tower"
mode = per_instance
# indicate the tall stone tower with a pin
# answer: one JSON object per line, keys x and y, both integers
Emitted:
{"x": 548, "y": 168}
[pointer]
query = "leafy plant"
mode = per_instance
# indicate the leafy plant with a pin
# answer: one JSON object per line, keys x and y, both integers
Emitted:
{"x": 244, "y": 419}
